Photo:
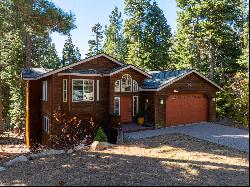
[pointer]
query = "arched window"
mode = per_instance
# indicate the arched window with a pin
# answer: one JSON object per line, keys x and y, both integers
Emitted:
{"x": 135, "y": 86}
{"x": 126, "y": 85}
{"x": 118, "y": 86}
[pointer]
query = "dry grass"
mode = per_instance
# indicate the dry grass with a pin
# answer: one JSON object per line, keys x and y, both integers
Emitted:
{"x": 172, "y": 159}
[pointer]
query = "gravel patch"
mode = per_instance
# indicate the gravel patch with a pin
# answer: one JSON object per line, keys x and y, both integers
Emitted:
{"x": 220, "y": 134}
{"x": 172, "y": 159}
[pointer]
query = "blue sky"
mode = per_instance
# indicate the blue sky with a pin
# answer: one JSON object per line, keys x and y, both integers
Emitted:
{"x": 90, "y": 12}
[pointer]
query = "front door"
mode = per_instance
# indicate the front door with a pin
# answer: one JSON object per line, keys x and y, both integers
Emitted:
{"x": 126, "y": 110}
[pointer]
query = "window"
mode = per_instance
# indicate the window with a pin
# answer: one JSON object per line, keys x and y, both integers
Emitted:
{"x": 82, "y": 90}
{"x": 126, "y": 83}
{"x": 117, "y": 105}
{"x": 46, "y": 124}
{"x": 135, "y": 105}
{"x": 65, "y": 90}
{"x": 118, "y": 86}
{"x": 88, "y": 90}
{"x": 135, "y": 86}
{"x": 45, "y": 91}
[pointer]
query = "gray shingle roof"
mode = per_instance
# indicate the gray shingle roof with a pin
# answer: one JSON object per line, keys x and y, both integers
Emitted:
{"x": 86, "y": 71}
{"x": 118, "y": 68}
{"x": 34, "y": 72}
{"x": 160, "y": 78}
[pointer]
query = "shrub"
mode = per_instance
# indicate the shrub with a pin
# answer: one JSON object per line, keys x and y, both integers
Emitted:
{"x": 100, "y": 135}
{"x": 69, "y": 131}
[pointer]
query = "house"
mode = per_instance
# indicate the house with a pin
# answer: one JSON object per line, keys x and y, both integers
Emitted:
{"x": 100, "y": 86}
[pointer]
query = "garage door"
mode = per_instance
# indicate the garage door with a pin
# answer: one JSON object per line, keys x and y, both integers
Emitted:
{"x": 186, "y": 108}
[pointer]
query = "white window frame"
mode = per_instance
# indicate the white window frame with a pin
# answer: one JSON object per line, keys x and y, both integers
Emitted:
{"x": 46, "y": 124}
{"x": 45, "y": 90}
{"x": 137, "y": 86}
{"x": 119, "y": 99}
{"x": 83, "y": 89}
{"x": 137, "y": 105}
{"x": 119, "y": 81}
{"x": 97, "y": 90}
{"x": 65, "y": 85}
{"x": 131, "y": 86}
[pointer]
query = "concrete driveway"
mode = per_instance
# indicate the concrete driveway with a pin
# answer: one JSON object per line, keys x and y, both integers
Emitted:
{"x": 219, "y": 134}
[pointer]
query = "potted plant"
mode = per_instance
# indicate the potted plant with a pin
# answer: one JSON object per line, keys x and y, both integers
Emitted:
{"x": 140, "y": 118}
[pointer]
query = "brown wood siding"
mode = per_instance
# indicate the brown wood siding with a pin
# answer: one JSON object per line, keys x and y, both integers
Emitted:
{"x": 47, "y": 108}
{"x": 33, "y": 113}
{"x": 101, "y": 64}
{"x": 81, "y": 110}
{"x": 191, "y": 84}
{"x": 138, "y": 77}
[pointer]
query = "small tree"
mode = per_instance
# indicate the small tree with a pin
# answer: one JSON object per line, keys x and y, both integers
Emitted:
{"x": 100, "y": 135}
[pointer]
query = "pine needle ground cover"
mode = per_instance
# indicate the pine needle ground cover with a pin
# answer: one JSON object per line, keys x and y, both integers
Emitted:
{"x": 164, "y": 160}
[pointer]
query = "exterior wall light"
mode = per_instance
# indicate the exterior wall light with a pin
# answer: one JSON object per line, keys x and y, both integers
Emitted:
{"x": 176, "y": 91}
{"x": 161, "y": 101}
{"x": 146, "y": 100}
{"x": 213, "y": 99}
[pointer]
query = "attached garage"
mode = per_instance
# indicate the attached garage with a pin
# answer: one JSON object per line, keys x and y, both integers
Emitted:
{"x": 186, "y": 108}
{"x": 178, "y": 97}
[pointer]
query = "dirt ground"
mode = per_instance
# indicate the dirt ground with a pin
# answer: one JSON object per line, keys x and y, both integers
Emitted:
{"x": 11, "y": 145}
{"x": 172, "y": 159}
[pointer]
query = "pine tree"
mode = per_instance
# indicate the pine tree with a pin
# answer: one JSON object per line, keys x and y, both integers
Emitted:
{"x": 158, "y": 39}
{"x": 148, "y": 34}
{"x": 208, "y": 35}
{"x": 44, "y": 53}
{"x": 40, "y": 17}
{"x": 25, "y": 27}
{"x": 115, "y": 44}
{"x": 95, "y": 45}
{"x": 70, "y": 53}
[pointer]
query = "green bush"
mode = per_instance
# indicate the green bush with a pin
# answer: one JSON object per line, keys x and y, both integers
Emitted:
{"x": 100, "y": 135}
{"x": 233, "y": 101}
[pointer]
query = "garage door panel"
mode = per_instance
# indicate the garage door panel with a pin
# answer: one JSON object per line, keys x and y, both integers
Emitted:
{"x": 186, "y": 108}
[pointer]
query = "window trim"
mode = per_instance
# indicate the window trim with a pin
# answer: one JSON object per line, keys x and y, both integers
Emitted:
{"x": 65, "y": 99}
{"x": 131, "y": 86}
{"x": 97, "y": 90}
{"x": 46, "y": 124}
{"x": 137, "y": 105}
{"x": 45, "y": 90}
{"x": 119, "y": 99}
{"x": 83, "y": 90}
{"x": 119, "y": 86}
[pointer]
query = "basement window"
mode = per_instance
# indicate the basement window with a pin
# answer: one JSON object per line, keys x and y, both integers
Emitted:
{"x": 46, "y": 124}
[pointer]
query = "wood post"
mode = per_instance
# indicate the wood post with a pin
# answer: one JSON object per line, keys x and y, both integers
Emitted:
{"x": 27, "y": 129}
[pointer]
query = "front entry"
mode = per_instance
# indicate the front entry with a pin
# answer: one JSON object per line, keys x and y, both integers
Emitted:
{"x": 126, "y": 114}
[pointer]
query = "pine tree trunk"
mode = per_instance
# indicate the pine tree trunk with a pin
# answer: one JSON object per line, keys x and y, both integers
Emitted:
{"x": 211, "y": 61}
{"x": 28, "y": 49}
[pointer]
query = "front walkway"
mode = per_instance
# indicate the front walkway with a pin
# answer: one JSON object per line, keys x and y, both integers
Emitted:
{"x": 220, "y": 134}
{"x": 133, "y": 127}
